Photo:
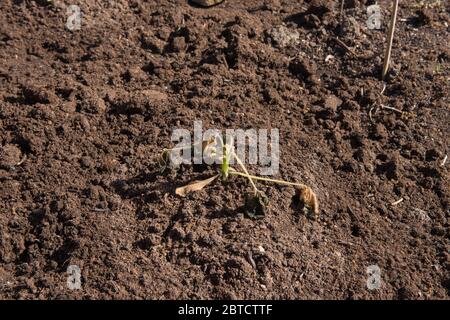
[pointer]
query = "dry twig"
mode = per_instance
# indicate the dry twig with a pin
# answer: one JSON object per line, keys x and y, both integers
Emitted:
{"x": 346, "y": 47}
{"x": 387, "y": 56}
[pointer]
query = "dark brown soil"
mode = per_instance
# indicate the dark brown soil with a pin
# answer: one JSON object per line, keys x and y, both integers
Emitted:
{"x": 84, "y": 115}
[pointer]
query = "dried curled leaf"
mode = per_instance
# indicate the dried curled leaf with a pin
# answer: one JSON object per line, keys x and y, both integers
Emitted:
{"x": 209, "y": 147}
{"x": 308, "y": 198}
{"x": 256, "y": 205}
{"x": 207, "y": 144}
{"x": 194, "y": 186}
{"x": 164, "y": 160}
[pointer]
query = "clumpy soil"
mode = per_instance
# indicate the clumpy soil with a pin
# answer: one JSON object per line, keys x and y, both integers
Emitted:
{"x": 85, "y": 113}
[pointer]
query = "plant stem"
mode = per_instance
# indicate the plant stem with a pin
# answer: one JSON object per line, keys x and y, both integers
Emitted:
{"x": 250, "y": 177}
{"x": 341, "y": 13}
{"x": 232, "y": 171}
{"x": 225, "y": 166}
{"x": 387, "y": 56}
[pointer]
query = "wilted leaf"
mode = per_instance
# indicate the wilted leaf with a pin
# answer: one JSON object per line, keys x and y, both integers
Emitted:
{"x": 207, "y": 144}
{"x": 256, "y": 205}
{"x": 308, "y": 198}
{"x": 209, "y": 148}
{"x": 194, "y": 186}
{"x": 164, "y": 161}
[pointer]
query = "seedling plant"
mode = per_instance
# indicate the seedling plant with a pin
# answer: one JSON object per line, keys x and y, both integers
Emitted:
{"x": 256, "y": 202}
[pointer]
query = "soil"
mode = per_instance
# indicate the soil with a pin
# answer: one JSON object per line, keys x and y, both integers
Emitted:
{"x": 84, "y": 115}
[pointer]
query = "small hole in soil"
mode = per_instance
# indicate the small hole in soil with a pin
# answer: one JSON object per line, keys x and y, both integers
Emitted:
{"x": 356, "y": 231}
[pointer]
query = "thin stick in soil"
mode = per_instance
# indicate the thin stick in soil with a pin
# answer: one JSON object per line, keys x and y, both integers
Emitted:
{"x": 397, "y": 202}
{"x": 444, "y": 161}
{"x": 341, "y": 12}
{"x": 391, "y": 108}
{"x": 387, "y": 56}
{"x": 346, "y": 47}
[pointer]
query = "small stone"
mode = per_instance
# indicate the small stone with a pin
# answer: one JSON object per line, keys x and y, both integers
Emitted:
{"x": 207, "y": 3}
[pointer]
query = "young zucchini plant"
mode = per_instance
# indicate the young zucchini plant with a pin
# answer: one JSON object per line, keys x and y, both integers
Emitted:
{"x": 256, "y": 202}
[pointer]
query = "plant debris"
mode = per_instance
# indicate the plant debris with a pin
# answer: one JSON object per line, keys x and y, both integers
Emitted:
{"x": 194, "y": 186}
{"x": 308, "y": 199}
{"x": 256, "y": 206}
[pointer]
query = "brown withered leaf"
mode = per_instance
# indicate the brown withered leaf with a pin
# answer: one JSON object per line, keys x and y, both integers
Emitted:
{"x": 209, "y": 146}
{"x": 194, "y": 186}
{"x": 164, "y": 161}
{"x": 208, "y": 143}
{"x": 308, "y": 198}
